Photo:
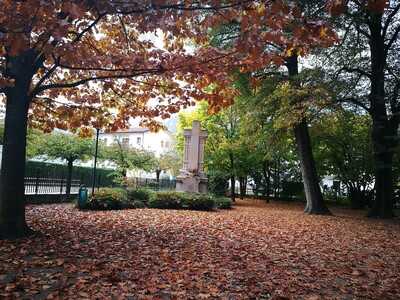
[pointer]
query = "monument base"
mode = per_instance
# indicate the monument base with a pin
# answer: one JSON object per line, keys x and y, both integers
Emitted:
{"x": 191, "y": 184}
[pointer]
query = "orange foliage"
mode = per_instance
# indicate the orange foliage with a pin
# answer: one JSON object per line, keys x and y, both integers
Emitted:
{"x": 94, "y": 67}
{"x": 254, "y": 251}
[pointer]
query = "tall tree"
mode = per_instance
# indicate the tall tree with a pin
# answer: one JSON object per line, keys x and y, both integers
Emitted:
{"x": 128, "y": 158}
{"x": 90, "y": 52}
{"x": 367, "y": 58}
{"x": 66, "y": 147}
{"x": 342, "y": 143}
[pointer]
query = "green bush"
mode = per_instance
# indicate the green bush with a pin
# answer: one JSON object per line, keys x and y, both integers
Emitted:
{"x": 167, "y": 200}
{"x": 139, "y": 204}
{"x": 198, "y": 201}
{"x": 217, "y": 182}
{"x": 108, "y": 199}
{"x": 223, "y": 202}
{"x": 180, "y": 200}
{"x": 140, "y": 194}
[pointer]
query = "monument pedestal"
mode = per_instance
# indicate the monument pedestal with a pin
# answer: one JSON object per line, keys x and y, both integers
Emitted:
{"x": 192, "y": 178}
{"x": 191, "y": 183}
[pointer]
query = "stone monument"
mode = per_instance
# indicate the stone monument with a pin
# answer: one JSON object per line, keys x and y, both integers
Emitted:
{"x": 191, "y": 177}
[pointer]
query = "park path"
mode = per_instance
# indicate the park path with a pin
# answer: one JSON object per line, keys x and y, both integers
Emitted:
{"x": 254, "y": 251}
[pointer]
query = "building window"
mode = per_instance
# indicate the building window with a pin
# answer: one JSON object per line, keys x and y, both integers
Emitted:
{"x": 162, "y": 144}
{"x": 125, "y": 142}
{"x": 139, "y": 140}
{"x": 166, "y": 144}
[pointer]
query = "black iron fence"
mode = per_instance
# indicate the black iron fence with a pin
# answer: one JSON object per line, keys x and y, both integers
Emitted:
{"x": 39, "y": 185}
{"x": 152, "y": 183}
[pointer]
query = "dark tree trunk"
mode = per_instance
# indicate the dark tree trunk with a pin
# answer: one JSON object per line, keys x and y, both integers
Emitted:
{"x": 233, "y": 188}
{"x": 243, "y": 185}
{"x": 315, "y": 202}
{"x": 276, "y": 179}
{"x": 158, "y": 172}
{"x": 12, "y": 189}
{"x": 267, "y": 179}
{"x": 384, "y": 130}
{"x": 357, "y": 198}
{"x": 232, "y": 177}
{"x": 69, "y": 179}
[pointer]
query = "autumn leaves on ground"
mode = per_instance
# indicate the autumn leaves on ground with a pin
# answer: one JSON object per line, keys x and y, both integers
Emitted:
{"x": 256, "y": 250}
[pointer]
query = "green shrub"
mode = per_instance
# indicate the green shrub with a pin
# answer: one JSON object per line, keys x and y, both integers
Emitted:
{"x": 223, "y": 202}
{"x": 198, "y": 201}
{"x": 179, "y": 200}
{"x": 167, "y": 200}
{"x": 138, "y": 204}
{"x": 140, "y": 194}
{"x": 108, "y": 199}
{"x": 217, "y": 182}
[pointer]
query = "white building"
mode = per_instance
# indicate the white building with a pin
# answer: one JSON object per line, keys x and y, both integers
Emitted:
{"x": 159, "y": 143}
{"x": 142, "y": 138}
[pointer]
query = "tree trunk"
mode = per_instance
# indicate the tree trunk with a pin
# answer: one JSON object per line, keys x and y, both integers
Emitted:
{"x": 315, "y": 202}
{"x": 158, "y": 172}
{"x": 267, "y": 178}
{"x": 243, "y": 185}
{"x": 69, "y": 179}
{"x": 384, "y": 132}
{"x": 12, "y": 187}
{"x": 232, "y": 177}
{"x": 382, "y": 207}
{"x": 356, "y": 196}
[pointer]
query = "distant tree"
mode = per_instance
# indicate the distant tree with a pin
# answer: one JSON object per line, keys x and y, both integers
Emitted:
{"x": 343, "y": 148}
{"x": 127, "y": 158}
{"x": 62, "y": 146}
{"x": 169, "y": 161}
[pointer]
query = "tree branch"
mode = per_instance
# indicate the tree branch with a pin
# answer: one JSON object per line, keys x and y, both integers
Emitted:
{"x": 356, "y": 102}
{"x": 390, "y": 18}
{"x": 45, "y": 76}
{"x": 355, "y": 70}
{"x": 85, "y": 80}
{"x": 392, "y": 40}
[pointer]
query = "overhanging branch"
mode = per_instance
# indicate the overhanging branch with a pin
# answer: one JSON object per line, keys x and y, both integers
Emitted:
{"x": 89, "y": 79}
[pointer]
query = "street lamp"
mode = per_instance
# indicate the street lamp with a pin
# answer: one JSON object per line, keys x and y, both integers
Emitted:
{"x": 95, "y": 160}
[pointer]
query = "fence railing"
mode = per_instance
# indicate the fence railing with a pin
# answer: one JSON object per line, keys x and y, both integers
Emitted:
{"x": 36, "y": 185}
{"x": 152, "y": 183}
{"x": 39, "y": 185}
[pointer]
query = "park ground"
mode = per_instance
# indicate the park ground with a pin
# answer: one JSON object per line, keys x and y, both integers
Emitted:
{"x": 254, "y": 251}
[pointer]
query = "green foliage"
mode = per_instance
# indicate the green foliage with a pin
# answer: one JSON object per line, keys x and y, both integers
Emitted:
{"x": 197, "y": 201}
{"x": 292, "y": 190}
{"x": 63, "y": 146}
{"x": 169, "y": 161}
{"x": 139, "y": 204}
{"x": 217, "y": 182}
{"x": 342, "y": 146}
{"x": 127, "y": 158}
{"x": 109, "y": 199}
{"x": 140, "y": 194}
{"x": 181, "y": 200}
{"x": 223, "y": 202}
{"x": 167, "y": 200}
{"x": 50, "y": 170}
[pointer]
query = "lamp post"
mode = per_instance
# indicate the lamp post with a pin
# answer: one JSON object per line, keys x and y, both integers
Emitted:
{"x": 95, "y": 160}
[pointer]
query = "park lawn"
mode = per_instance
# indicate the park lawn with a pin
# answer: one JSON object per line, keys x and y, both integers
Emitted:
{"x": 256, "y": 250}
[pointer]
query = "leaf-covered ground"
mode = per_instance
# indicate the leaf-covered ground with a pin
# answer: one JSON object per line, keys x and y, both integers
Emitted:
{"x": 255, "y": 251}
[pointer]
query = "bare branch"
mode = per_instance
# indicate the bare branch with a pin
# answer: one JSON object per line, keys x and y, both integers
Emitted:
{"x": 85, "y": 80}
{"x": 392, "y": 39}
{"x": 45, "y": 76}
{"x": 390, "y": 18}
{"x": 355, "y": 70}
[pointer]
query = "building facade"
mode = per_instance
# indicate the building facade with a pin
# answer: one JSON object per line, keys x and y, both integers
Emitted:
{"x": 141, "y": 138}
